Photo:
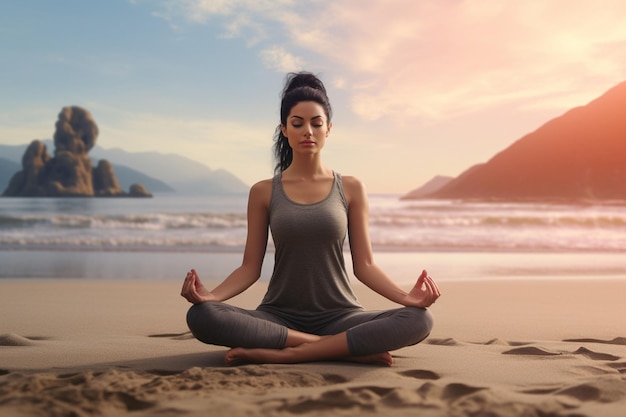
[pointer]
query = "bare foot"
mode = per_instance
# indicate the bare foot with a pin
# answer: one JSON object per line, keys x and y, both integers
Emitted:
{"x": 240, "y": 356}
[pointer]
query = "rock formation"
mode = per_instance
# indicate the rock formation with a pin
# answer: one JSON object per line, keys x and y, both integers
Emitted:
{"x": 69, "y": 173}
{"x": 26, "y": 181}
{"x": 105, "y": 183}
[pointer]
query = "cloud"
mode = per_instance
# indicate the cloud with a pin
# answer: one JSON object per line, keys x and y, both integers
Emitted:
{"x": 21, "y": 125}
{"x": 177, "y": 132}
{"x": 217, "y": 143}
{"x": 277, "y": 58}
{"x": 435, "y": 59}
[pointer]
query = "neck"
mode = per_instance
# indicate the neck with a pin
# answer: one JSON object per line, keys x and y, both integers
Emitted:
{"x": 307, "y": 168}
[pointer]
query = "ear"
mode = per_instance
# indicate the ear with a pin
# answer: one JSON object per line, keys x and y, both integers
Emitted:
{"x": 283, "y": 129}
{"x": 330, "y": 125}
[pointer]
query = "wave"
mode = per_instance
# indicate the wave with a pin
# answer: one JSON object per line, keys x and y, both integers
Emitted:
{"x": 238, "y": 220}
{"x": 193, "y": 224}
{"x": 129, "y": 221}
{"x": 434, "y": 220}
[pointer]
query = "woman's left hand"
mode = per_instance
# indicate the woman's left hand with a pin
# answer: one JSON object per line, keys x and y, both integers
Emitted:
{"x": 424, "y": 293}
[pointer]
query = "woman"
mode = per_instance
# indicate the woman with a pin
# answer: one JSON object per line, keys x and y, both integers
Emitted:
{"x": 309, "y": 312}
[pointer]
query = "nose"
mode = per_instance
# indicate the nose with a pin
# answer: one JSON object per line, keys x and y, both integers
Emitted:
{"x": 308, "y": 130}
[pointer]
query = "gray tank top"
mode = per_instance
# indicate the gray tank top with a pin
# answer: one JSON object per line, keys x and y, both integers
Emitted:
{"x": 309, "y": 278}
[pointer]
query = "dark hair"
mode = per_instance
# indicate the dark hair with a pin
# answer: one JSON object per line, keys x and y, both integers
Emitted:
{"x": 300, "y": 86}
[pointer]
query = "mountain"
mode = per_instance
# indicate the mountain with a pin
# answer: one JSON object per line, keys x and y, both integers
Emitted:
{"x": 578, "y": 156}
{"x": 183, "y": 174}
{"x": 436, "y": 183}
{"x": 128, "y": 176}
{"x": 157, "y": 172}
{"x": 7, "y": 169}
{"x": 15, "y": 152}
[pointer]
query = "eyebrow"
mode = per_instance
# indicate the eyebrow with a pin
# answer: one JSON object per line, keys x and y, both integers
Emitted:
{"x": 302, "y": 118}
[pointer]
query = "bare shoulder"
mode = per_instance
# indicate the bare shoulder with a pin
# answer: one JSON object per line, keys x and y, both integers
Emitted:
{"x": 354, "y": 189}
{"x": 261, "y": 191}
{"x": 263, "y": 185}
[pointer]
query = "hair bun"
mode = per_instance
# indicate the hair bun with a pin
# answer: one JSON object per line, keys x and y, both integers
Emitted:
{"x": 303, "y": 79}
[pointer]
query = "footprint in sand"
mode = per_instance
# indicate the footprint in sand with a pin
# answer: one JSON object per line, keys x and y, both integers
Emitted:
{"x": 174, "y": 336}
{"x": 539, "y": 351}
{"x": 541, "y": 391}
{"x": 13, "y": 339}
{"x": 602, "y": 390}
{"x": 501, "y": 342}
{"x": 420, "y": 374}
{"x": 620, "y": 366}
{"x": 616, "y": 341}
{"x": 449, "y": 341}
{"x": 531, "y": 350}
{"x": 596, "y": 356}
{"x": 454, "y": 391}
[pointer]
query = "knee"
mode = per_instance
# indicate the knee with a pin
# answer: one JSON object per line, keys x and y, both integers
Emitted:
{"x": 201, "y": 321}
{"x": 421, "y": 322}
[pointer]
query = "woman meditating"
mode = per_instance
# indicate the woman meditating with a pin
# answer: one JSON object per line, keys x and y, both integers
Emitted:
{"x": 310, "y": 312}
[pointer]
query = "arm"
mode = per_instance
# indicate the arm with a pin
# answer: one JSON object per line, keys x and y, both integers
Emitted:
{"x": 425, "y": 291}
{"x": 250, "y": 270}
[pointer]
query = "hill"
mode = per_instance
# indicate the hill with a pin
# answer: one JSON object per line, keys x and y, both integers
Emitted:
{"x": 436, "y": 183}
{"x": 578, "y": 156}
{"x": 129, "y": 176}
{"x": 183, "y": 174}
{"x": 158, "y": 172}
{"x": 7, "y": 169}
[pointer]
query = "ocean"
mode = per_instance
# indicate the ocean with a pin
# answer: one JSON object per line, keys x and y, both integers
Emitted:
{"x": 162, "y": 237}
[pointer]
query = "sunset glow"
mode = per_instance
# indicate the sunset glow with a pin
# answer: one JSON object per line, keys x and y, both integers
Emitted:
{"x": 418, "y": 88}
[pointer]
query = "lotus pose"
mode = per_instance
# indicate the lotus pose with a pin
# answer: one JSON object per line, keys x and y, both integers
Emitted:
{"x": 309, "y": 312}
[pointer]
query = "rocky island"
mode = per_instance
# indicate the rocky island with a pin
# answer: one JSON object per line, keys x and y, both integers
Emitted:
{"x": 70, "y": 172}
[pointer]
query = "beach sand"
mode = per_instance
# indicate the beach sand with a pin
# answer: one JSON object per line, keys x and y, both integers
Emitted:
{"x": 524, "y": 347}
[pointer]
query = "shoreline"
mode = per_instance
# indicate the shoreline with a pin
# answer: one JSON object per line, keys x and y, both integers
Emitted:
{"x": 401, "y": 266}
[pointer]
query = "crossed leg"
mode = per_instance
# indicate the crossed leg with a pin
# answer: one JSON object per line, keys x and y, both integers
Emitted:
{"x": 333, "y": 347}
{"x": 258, "y": 337}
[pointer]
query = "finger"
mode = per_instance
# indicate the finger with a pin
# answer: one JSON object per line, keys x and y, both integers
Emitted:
{"x": 187, "y": 284}
{"x": 430, "y": 297}
{"x": 185, "y": 290}
{"x": 421, "y": 278}
{"x": 433, "y": 285}
{"x": 431, "y": 292}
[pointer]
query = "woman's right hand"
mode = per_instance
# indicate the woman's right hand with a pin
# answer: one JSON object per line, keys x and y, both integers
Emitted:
{"x": 424, "y": 293}
{"x": 193, "y": 290}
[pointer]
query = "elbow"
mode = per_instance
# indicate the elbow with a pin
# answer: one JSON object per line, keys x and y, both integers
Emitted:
{"x": 360, "y": 271}
{"x": 254, "y": 276}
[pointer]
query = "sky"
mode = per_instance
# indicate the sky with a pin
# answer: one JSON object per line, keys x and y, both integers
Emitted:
{"x": 419, "y": 88}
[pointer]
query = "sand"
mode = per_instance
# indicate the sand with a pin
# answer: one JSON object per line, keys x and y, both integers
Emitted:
{"x": 523, "y": 347}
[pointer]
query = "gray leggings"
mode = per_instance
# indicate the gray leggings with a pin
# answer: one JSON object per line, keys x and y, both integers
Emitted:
{"x": 368, "y": 332}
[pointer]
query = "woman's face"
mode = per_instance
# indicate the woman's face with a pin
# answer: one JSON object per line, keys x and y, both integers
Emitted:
{"x": 307, "y": 127}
